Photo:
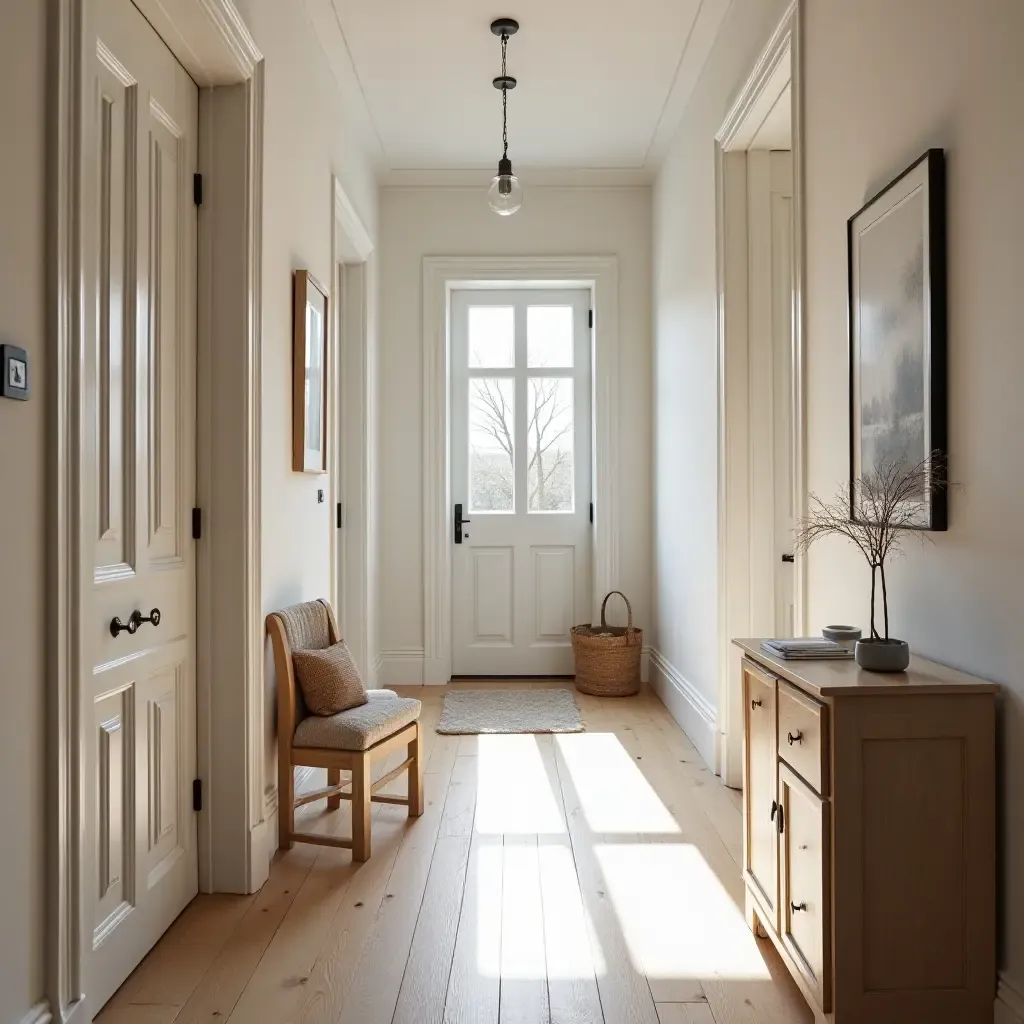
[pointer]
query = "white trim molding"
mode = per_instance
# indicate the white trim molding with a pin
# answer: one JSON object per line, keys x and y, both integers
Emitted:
{"x": 39, "y": 1014}
{"x": 209, "y": 38}
{"x": 440, "y": 275}
{"x": 350, "y": 408}
{"x": 691, "y": 709}
{"x": 399, "y": 668}
{"x": 1009, "y": 1001}
{"x": 778, "y": 64}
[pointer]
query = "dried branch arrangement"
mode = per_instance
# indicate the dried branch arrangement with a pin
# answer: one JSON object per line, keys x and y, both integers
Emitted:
{"x": 876, "y": 514}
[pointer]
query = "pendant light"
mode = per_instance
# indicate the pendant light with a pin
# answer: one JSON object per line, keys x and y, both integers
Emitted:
{"x": 505, "y": 195}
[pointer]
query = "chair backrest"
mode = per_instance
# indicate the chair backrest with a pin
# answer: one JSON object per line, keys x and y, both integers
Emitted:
{"x": 302, "y": 627}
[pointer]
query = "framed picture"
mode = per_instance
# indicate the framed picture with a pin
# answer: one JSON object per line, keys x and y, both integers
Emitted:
{"x": 309, "y": 376}
{"x": 897, "y": 324}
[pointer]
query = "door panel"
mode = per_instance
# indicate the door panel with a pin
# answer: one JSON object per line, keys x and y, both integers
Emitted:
{"x": 520, "y": 465}
{"x": 805, "y": 855}
{"x": 139, "y": 746}
{"x": 760, "y": 790}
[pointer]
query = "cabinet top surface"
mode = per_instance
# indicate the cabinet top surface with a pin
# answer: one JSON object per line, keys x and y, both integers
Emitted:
{"x": 844, "y": 678}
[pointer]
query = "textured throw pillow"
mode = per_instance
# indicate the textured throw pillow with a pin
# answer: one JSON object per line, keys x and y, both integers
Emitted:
{"x": 329, "y": 679}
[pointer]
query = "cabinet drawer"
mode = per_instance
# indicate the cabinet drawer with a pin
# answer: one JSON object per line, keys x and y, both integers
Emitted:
{"x": 805, "y": 911}
{"x": 803, "y": 736}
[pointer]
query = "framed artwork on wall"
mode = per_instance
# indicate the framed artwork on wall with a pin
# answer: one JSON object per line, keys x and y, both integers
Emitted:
{"x": 309, "y": 375}
{"x": 897, "y": 332}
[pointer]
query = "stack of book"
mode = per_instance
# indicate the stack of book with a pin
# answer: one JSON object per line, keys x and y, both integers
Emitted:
{"x": 807, "y": 648}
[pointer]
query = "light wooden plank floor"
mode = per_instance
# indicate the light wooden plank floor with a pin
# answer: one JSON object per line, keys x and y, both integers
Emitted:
{"x": 567, "y": 879}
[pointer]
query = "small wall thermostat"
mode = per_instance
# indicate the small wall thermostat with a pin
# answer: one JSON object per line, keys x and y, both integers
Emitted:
{"x": 14, "y": 365}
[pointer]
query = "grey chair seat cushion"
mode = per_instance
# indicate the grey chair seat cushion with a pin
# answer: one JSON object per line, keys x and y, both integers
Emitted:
{"x": 359, "y": 728}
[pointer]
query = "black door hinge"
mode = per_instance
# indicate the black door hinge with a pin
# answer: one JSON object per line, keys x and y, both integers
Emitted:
{"x": 591, "y": 511}
{"x": 197, "y": 794}
{"x": 782, "y": 820}
{"x": 339, "y": 515}
{"x": 197, "y": 189}
{"x": 197, "y": 523}
{"x": 590, "y": 318}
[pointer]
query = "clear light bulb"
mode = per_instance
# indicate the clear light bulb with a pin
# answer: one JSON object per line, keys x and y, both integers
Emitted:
{"x": 505, "y": 195}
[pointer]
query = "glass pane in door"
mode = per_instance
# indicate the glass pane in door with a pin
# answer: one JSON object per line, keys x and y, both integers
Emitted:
{"x": 549, "y": 444}
{"x": 492, "y": 336}
{"x": 492, "y": 434}
{"x": 549, "y": 336}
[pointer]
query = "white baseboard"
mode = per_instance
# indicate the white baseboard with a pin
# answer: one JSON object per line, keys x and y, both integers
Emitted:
{"x": 1009, "y": 1002}
{"x": 400, "y": 668}
{"x": 39, "y": 1014}
{"x": 693, "y": 712}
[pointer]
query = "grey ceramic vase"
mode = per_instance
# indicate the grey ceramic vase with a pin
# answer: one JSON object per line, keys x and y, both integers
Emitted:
{"x": 882, "y": 655}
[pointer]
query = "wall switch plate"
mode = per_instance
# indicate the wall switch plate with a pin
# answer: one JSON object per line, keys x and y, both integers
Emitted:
{"x": 14, "y": 366}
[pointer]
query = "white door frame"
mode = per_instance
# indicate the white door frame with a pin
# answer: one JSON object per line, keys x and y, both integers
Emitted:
{"x": 349, "y": 412}
{"x": 210, "y": 40}
{"x": 779, "y": 63}
{"x": 440, "y": 276}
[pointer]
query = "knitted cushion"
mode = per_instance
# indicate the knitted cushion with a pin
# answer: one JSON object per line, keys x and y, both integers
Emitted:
{"x": 359, "y": 728}
{"x": 329, "y": 679}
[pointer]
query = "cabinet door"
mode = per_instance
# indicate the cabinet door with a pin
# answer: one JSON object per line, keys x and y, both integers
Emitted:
{"x": 760, "y": 790}
{"x": 805, "y": 911}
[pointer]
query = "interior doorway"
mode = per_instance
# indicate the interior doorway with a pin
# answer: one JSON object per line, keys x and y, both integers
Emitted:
{"x": 760, "y": 367}
{"x": 521, "y": 470}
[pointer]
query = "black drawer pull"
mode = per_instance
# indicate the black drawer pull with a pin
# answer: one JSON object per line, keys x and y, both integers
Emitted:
{"x": 795, "y": 737}
{"x": 755, "y": 704}
{"x": 797, "y": 907}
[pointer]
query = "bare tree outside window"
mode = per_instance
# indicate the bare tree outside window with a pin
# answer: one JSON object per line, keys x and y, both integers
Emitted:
{"x": 492, "y": 444}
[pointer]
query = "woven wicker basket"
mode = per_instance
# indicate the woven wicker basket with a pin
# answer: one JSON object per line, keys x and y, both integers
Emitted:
{"x": 608, "y": 657}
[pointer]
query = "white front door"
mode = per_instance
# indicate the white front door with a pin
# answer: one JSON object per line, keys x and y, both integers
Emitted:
{"x": 520, "y": 473}
{"x": 138, "y": 484}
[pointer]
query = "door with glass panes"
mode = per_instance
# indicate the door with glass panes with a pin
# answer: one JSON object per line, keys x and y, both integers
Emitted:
{"x": 520, "y": 479}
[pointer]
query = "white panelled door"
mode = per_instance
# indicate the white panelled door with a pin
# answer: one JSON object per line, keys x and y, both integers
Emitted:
{"x": 138, "y": 484}
{"x": 520, "y": 476}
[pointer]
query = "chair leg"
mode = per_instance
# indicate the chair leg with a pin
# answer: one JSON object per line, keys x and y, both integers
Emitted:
{"x": 333, "y": 779}
{"x": 416, "y": 774}
{"x": 361, "y": 782}
{"x": 285, "y": 800}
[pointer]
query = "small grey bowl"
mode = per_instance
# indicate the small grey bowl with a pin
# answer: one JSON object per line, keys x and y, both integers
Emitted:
{"x": 847, "y": 636}
{"x": 882, "y": 655}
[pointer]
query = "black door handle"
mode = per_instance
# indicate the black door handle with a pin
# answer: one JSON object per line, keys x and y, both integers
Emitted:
{"x": 789, "y": 558}
{"x": 138, "y": 618}
{"x": 459, "y": 522}
{"x": 117, "y": 626}
{"x": 797, "y": 907}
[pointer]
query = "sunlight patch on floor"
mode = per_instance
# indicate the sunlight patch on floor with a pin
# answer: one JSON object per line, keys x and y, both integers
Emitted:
{"x": 514, "y": 789}
{"x": 614, "y": 795}
{"x": 678, "y": 920}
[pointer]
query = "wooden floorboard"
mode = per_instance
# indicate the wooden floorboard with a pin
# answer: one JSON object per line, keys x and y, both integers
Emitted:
{"x": 589, "y": 878}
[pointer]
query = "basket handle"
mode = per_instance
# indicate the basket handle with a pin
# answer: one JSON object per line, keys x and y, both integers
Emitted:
{"x": 629, "y": 611}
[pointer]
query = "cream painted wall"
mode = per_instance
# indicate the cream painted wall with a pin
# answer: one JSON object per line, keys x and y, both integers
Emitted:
{"x": 685, "y": 407}
{"x": 884, "y": 82}
{"x": 308, "y": 136}
{"x": 457, "y": 222}
{"x": 23, "y": 510}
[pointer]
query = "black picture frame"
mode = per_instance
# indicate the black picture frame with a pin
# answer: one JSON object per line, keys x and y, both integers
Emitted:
{"x": 896, "y": 287}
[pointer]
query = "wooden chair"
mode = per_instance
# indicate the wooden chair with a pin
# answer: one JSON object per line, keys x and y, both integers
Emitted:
{"x": 351, "y": 741}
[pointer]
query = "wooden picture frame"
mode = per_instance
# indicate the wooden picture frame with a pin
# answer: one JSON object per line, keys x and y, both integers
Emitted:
{"x": 896, "y": 250}
{"x": 309, "y": 374}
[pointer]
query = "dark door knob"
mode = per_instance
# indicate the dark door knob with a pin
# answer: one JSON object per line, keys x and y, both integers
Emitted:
{"x": 117, "y": 626}
{"x": 797, "y": 907}
{"x": 138, "y": 618}
{"x": 459, "y": 521}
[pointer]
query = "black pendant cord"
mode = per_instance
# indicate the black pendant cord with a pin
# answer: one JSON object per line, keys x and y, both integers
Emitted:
{"x": 504, "y": 99}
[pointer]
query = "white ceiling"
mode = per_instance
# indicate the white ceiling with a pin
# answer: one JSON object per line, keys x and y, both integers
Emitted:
{"x": 601, "y": 82}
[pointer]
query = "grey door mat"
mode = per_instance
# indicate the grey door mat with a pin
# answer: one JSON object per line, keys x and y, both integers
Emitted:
{"x": 469, "y": 712}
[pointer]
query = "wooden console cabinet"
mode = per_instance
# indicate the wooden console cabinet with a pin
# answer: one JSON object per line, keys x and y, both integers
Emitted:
{"x": 869, "y": 836}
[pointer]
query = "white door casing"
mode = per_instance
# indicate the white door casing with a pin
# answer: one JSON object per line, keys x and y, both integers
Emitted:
{"x": 138, "y": 480}
{"x": 769, "y": 224}
{"x": 521, "y": 470}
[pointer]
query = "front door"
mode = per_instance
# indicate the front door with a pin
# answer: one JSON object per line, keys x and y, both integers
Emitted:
{"x": 520, "y": 476}
{"x": 138, "y": 484}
